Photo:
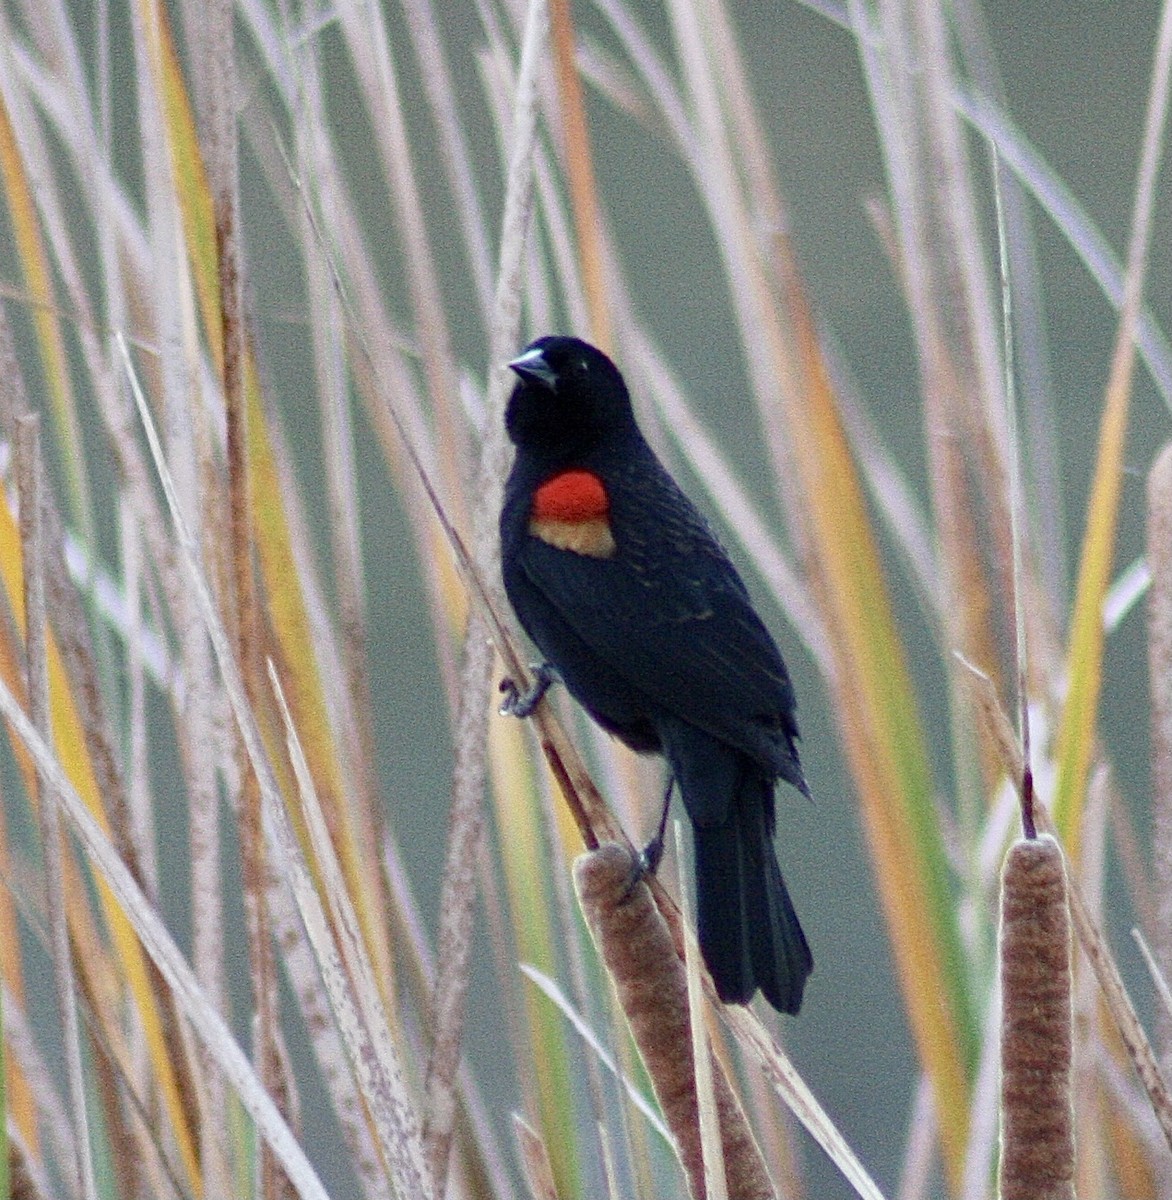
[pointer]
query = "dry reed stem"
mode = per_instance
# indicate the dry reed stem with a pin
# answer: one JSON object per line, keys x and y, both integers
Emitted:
{"x": 580, "y": 171}
{"x": 402, "y": 1157}
{"x": 340, "y": 641}
{"x": 72, "y": 634}
{"x": 711, "y": 1148}
{"x": 910, "y": 73}
{"x": 466, "y": 832}
{"x": 455, "y": 155}
{"x": 348, "y": 974}
{"x": 1086, "y": 647}
{"x": 1159, "y": 550}
{"x": 984, "y": 1109}
{"x": 49, "y": 1134}
{"x": 345, "y": 667}
{"x": 28, "y": 468}
{"x": 1037, "y": 1118}
{"x": 1119, "y": 1003}
{"x": 26, "y": 1172}
{"x": 370, "y": 45}
{"x": 221, "y": 143}
{"x": 575, "y": 948}
{"x": 535, "y": 1164}
{"x": 171, "y": 963}
{"x": 457, "y": 906}
{"x": 70, "y": 627}
{"x": 919, "y": 1155}
{"x": 641, "y": 958}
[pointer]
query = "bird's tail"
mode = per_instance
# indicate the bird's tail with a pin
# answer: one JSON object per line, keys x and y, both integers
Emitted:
{"x": 749, "y": 933}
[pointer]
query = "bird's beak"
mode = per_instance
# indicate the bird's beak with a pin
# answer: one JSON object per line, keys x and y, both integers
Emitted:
{"x": 532, "y": 366}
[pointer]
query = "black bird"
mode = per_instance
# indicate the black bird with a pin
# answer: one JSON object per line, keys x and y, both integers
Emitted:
{"x": 634, "y": 603}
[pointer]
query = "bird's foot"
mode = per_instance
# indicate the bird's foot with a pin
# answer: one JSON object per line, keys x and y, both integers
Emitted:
{"x": 645, "y": 863}
{"x": 518, "y": 703}
{"x": 648, "y": 859}
{"x": 651, "y": 854}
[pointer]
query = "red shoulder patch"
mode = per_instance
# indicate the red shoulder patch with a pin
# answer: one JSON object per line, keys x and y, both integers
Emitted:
{"x": 571, "y": 496}
{"x": 571, "y": 511}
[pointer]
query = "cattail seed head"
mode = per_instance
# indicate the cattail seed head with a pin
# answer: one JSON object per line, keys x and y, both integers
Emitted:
{"x": 1037, "y": 1122}
{"x": 641, "y": 958}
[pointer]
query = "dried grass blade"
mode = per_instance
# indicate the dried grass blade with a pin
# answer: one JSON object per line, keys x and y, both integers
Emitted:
{"x": 535, "y": 1162}
{"x": 349, "y": 979}
{"x": 951, "y": 189}
{"x": 927, "y": 178}
{"x": 157, "y": 942}
{"x": 273, "y": 538}
{"x": 1131, "y": 1031}
{"x": 561, "y": 1001}
{"x": 6, "y": 1169}
{"x": 919, "y": 1155}
{"x": 715, "y": 1180}
{"x": 21, "y": 190}
{"x": 980, "y": 1154}
{"x": 789, "y": 1085}
{"x": 540, "y": 1040}
{"x": 1155, "y": 971}
{"x": 454, "y": 150}
{"x": 28, "y": 465}
{"x": 69, "y": 739}
{"x": 404, "y": 1155}
{"x": 301, "y": 674}
{"x": 1159, "y": 555}
{"x": 466, "y": 831}
{"x": 346, "y": 669}
{"x": 1076, "y": 734}
{"x": 1072, "y": 220}
{"x": 301, "y": 967}
{"x": 580, "y": 170}
{"x": 20, "y": 1106}
{"x": 884, "y": 738}
{"x": 221, "y": 142}
{"x": 370, "y": 43}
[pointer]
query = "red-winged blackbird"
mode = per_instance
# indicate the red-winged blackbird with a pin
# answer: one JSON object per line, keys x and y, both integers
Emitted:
{"x": 634, "y": 603}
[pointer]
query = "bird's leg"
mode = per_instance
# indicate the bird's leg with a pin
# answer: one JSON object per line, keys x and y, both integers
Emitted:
{"x": 647, "y": 860}
{"x": 517, "y": 703}
{"x": 653, "y": 851}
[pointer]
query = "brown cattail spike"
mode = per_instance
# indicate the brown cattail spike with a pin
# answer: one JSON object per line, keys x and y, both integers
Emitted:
{"x": 641, "y": 958}
{"x": 1037, "y": 1123}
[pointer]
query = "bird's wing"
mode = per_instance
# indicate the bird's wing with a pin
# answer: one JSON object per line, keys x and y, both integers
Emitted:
{"x": 671, "y": 617}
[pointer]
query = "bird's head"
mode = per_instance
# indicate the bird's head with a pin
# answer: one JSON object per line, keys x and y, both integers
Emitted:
{"x": 569, "y": 398}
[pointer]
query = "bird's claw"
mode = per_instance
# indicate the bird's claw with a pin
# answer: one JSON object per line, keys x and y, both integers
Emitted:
{"x": 645, "y": 863}
{"x": 651, "y": 854}
{"x": 518, "y": 703}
